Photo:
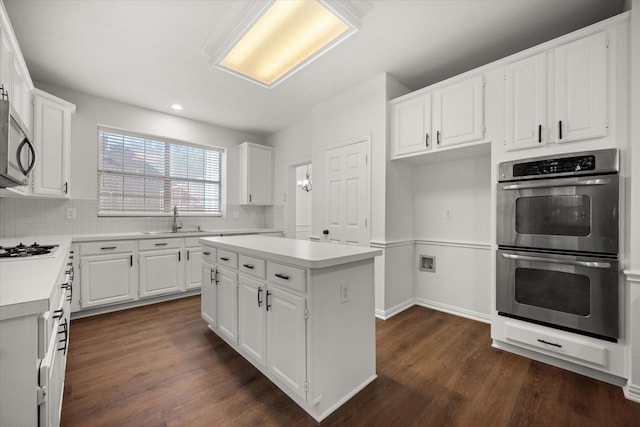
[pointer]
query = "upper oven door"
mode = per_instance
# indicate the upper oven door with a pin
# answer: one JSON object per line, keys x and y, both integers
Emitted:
{"x": 569, "y": 214}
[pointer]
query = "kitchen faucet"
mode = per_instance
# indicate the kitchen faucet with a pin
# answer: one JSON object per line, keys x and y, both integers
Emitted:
{"x": 175, "y": 227}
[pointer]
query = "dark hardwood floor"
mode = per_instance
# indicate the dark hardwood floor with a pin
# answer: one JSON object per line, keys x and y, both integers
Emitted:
{"x": 159, "y": 365}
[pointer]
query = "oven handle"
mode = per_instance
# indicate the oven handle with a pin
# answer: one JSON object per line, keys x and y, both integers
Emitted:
{"x": 558, "y": 183}
{"x": 591, "y": 264}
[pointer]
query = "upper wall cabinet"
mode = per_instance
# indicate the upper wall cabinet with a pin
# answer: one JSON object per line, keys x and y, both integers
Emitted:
{"x": 447, "y": 116}
{"x": 52, "y": 140}
{"x": 539, "y": 112}
{"x": 255, "y": 174}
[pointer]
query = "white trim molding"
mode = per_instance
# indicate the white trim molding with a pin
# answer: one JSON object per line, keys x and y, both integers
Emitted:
{"x": 631, "y": 390}
{"x": 457, "y": 311}
{"x": 390, "y": 244}
{"x": 387, "y": 314}
{"x": 456, "y": 244}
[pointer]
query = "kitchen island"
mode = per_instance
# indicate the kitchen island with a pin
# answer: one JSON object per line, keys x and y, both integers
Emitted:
{"x": 301, "y": 312}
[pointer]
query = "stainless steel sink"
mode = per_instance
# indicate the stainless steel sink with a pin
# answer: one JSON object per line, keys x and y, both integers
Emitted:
{"x": 173, "y": 232}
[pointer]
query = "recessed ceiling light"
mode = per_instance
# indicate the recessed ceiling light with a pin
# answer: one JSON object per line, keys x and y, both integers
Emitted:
{"x": 274, "y": 39}
{"x": 177, "y": 107}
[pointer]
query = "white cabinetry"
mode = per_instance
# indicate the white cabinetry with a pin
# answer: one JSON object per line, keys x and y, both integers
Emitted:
{"x": 193, "y": 265}
{"x": 161, "y": 267}
{"x": 209, "y": 293}
{"x": 255, "y": 174}
{"x": 557, "y": 96}
{"x": 108, "y": 273}
{"x": 52, "y": 139}
{"x": 438, "y": 117}
{"x": 292, "y": 323}
{"x": 227, "y": 300}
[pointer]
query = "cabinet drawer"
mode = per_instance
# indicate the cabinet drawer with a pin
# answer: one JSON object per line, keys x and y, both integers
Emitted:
{"x": 190, "y": 242}
{"x": 209, "y": 254}
{"x": 149, "y": 244}
{"x": 108, "y": 247}
{"x": 575, "y": 348}
{"x": 228, "y": 259}
{"x": 252, "y": 266}
{"x": 290, "y": 277}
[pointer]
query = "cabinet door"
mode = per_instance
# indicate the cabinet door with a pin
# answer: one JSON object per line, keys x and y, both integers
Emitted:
{"x": 411, "y": 125}
{"x": 458, "y": 113}
{"x": 286, "y": 339}
{"x": 6, "y": 61}
{"x": 161, "y": 272}
{"x": 107, "y": 279}
{"x": 581, "y": 79}
{"x": 228, "y": 304}
{"x": 255, "y": 174}
{"x": 209, "y": 295}
{"x": 251, "y": 318}
{"x": 194, "y": 264}
{"x": 51, "y": 138}
{"x": 526, "y": 103}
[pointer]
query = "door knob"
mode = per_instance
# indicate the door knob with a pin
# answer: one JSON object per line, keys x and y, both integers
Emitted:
{"x": 325, "y": 232}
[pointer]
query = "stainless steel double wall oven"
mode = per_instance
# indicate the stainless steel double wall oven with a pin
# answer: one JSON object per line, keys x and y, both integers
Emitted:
{"x": 557, "y": 259}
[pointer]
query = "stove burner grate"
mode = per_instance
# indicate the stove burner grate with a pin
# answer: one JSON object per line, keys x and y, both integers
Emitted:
{"x": 21, "y": 250}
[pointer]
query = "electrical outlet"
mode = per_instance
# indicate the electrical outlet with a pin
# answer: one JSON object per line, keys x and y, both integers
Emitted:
{"x": 448, "y": 213}
{"x": 344, "y": 293}
{"x": 71, "y": 213}
{"x": 236, "y": 215}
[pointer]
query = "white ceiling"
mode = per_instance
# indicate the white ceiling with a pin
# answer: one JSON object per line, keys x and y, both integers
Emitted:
{"x": 149, "y": 53}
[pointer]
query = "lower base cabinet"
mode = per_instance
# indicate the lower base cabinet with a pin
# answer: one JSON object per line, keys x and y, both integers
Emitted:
{"x": 294, "y": 325}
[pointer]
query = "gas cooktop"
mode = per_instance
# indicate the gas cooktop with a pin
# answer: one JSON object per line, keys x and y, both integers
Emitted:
{"x": 25, "y": 251}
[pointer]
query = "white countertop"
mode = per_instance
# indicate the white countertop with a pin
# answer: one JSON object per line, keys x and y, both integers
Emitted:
{"x": 304, "y": 253}
{"x": 160, "y": 235}
{"x": 27, "y": 283}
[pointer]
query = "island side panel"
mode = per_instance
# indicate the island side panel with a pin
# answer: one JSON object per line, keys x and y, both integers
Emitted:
{"x": 342, "y": 340}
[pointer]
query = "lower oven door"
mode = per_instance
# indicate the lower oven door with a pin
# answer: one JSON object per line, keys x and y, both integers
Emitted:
{"x": 575, "y": 293}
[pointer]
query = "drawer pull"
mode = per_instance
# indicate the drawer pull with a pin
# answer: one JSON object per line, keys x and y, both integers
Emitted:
{"x": 108, "y": 248}
{"x": 207, "y": 253}
{"x": 249, "y": 266}
{"x": 161, "y": 244}
{"x": 58, "y": 314}
{"x": 224, "y": 258}
{"x": 259, "y": 292}
{"x": 65, "y": 339}
{"x": 549, "y": 343}
{"x": 268, "y": 295}
{"x": 282, "y": 276}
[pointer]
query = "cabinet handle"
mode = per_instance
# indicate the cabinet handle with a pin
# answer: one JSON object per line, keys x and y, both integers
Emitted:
{"x": 107, "y": 248}
{"x": 560, "y": 129}
{"x": 211, "y": 276}
{"x": 66, "y": 188}
{"x": 426, "y": 139}
{"x": 268, "y": 305}
{"x": 207, "y": 253}
{"x": 130, "y": 260}
{"x": 259, "y": 292}
{"x": 438, "y": 137}
{"x": 549, "y": 343}
{"x": 187, "y": 255}
{"x": 249, "y": 198}
{"x": 161, "y": 244}
{"x": 179, "y": 257}
{"x": 282, "y": 276}
{"x": 224, "y": 258}
{"x": 249, "y": 266}
{"x": 65, "y": 339}
{"x": 539, "y": 134}
{"x": 58, "y": 314}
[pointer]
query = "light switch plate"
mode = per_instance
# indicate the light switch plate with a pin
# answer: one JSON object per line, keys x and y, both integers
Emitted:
{"x": 71, "y": 213}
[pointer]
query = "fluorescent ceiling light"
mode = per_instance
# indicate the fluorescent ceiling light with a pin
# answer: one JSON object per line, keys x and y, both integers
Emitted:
{"x": 276, "y": 38}
{"x": 177, "y": 107}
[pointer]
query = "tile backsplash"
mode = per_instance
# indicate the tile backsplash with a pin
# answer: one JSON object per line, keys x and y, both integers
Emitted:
{"x": 27, "y": 217}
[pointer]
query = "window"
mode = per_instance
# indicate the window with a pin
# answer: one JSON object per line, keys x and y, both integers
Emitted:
{"x": 140, "y": 174}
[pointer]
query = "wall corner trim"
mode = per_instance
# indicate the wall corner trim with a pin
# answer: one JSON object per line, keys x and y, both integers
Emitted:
{"x": 632, "y": 392}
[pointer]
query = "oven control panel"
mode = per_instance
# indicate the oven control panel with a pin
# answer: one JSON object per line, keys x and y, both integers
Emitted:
{"x": 594, "y": 162}
{"x": 546, "y": 167}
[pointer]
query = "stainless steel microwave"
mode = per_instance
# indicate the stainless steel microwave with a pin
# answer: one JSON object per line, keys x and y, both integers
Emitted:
{"x": 17, "y": 155}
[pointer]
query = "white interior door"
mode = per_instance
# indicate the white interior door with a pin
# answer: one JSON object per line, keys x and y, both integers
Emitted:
{"x": 346, "y": 194}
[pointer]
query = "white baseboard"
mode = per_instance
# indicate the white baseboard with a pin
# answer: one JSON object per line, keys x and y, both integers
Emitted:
{"x": 473, "y": 315}
{"x": 386, "y": 314}
{"x": 632, "y": 392}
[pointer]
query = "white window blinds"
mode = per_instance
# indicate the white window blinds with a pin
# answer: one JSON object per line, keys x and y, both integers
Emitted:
{"x": 138, "y": 174}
